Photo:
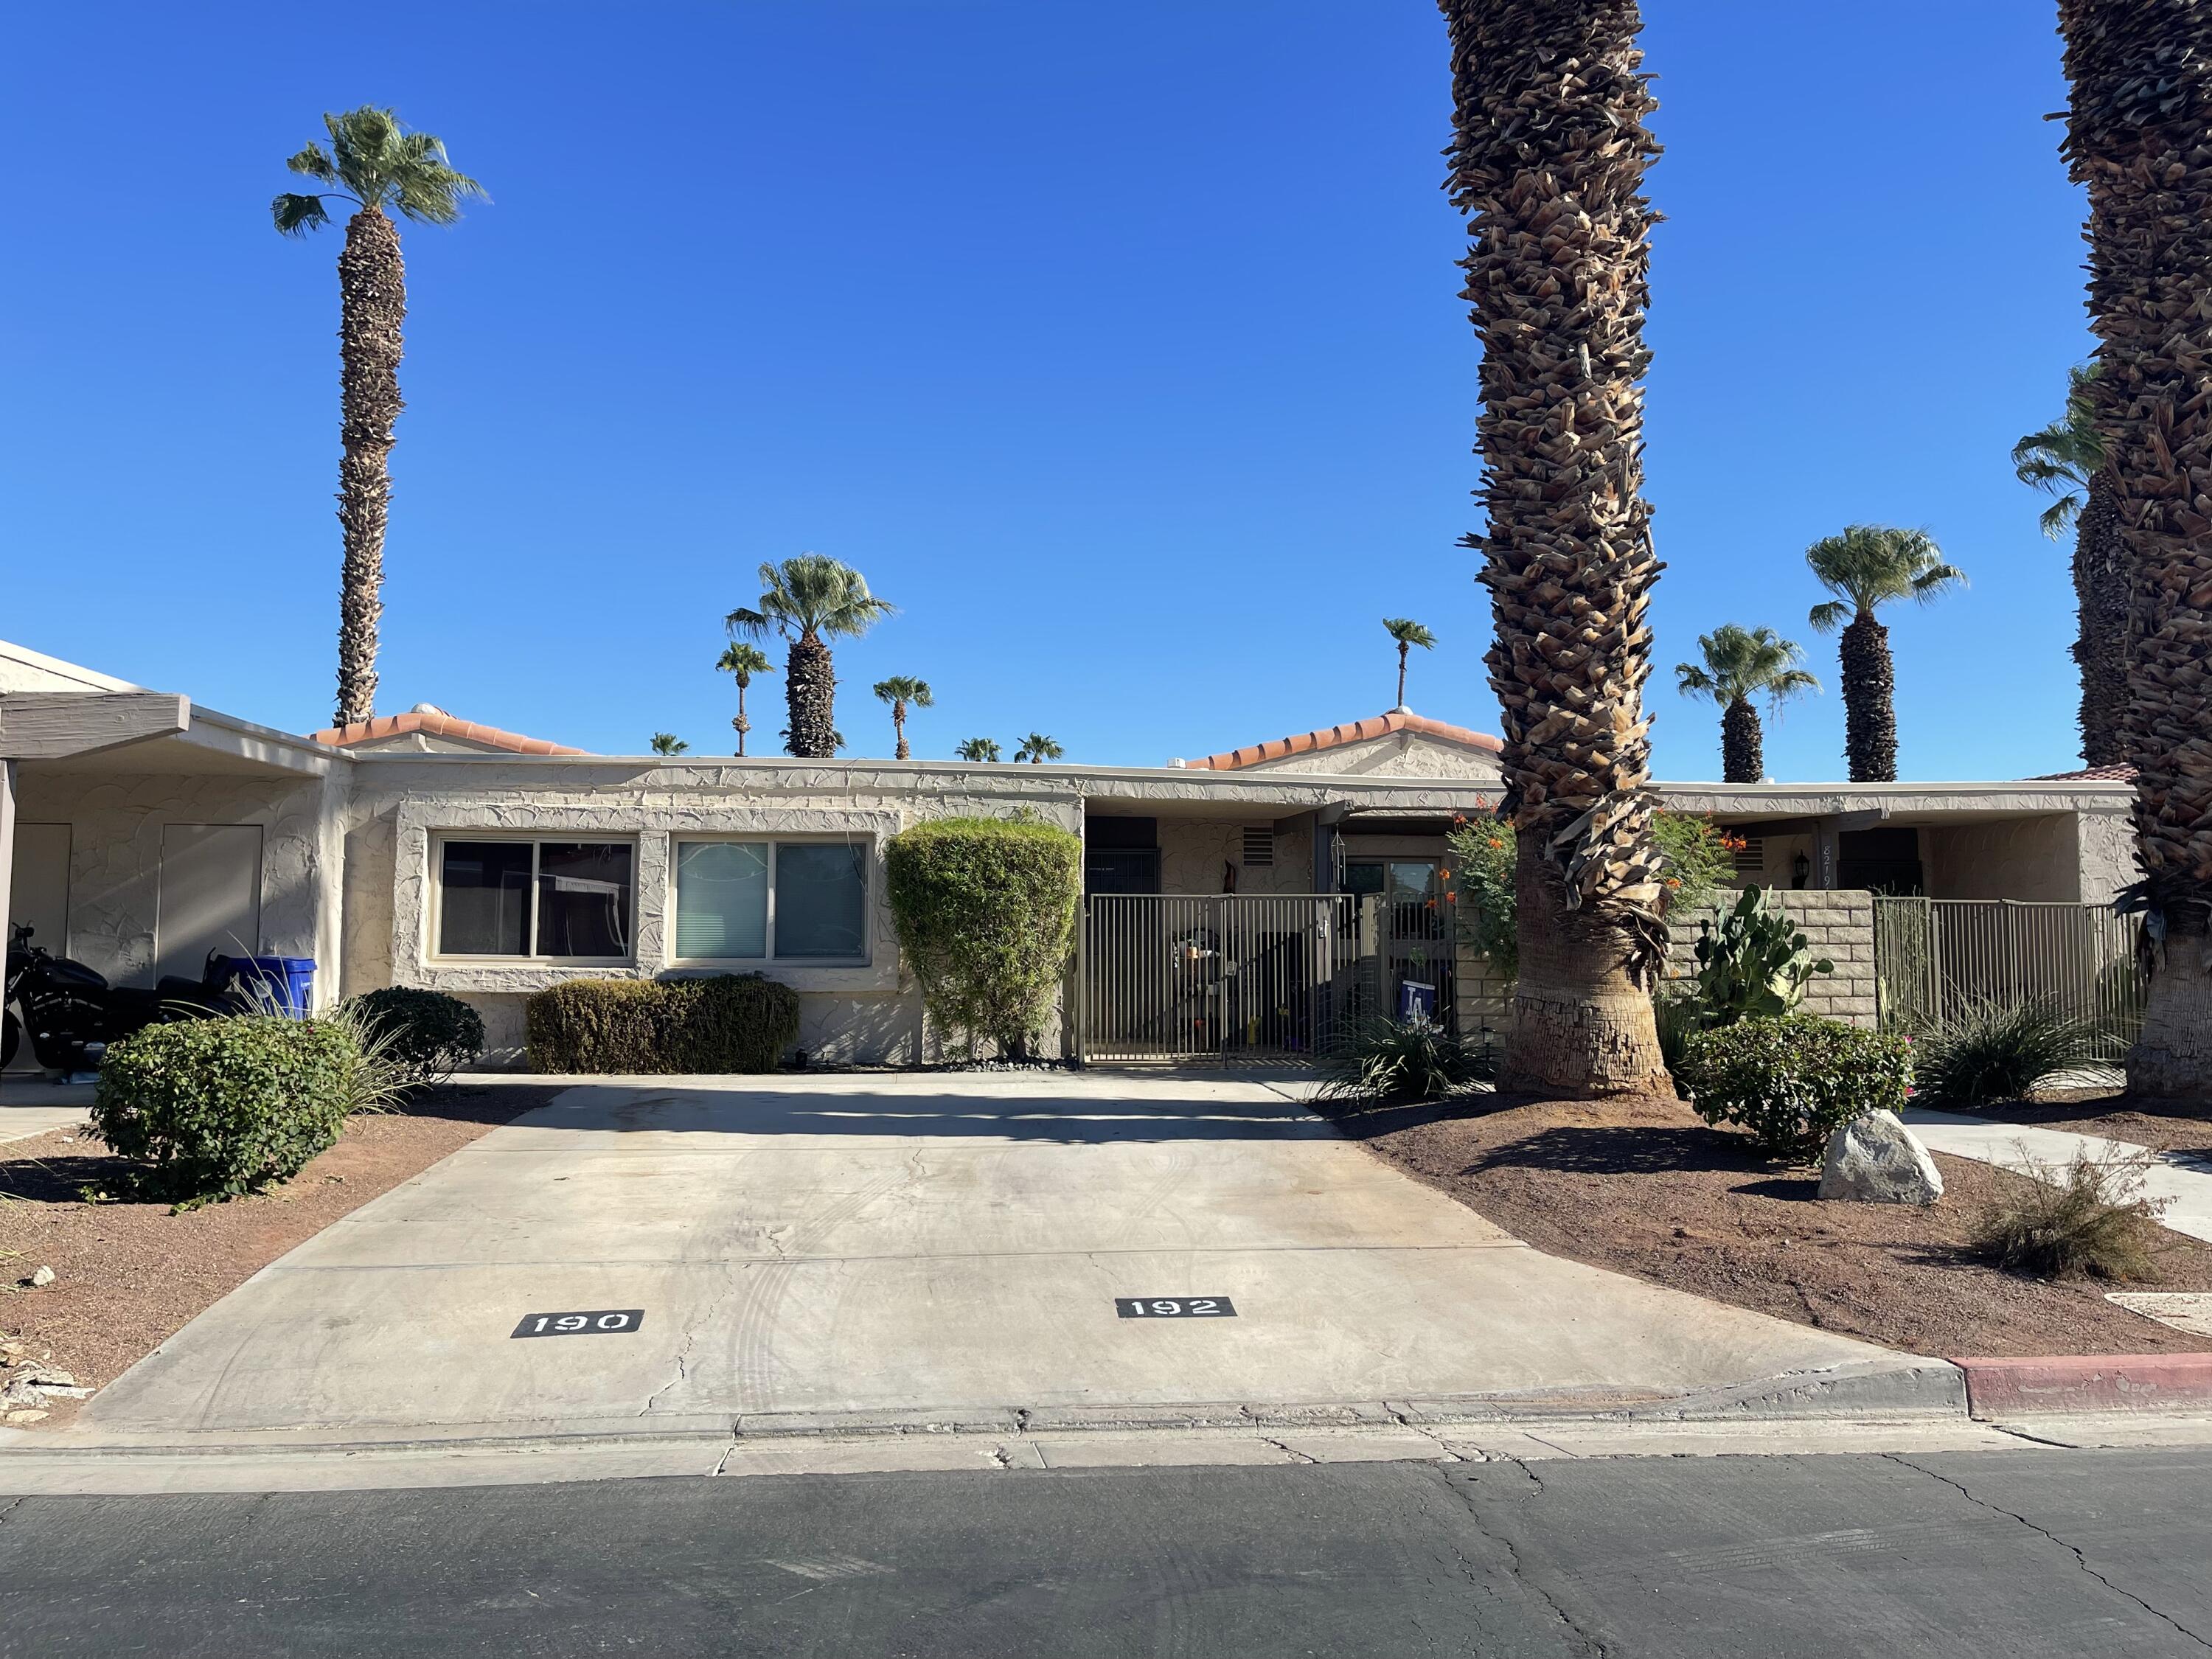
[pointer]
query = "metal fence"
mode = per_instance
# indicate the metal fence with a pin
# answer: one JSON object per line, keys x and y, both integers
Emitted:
{"x": 1933, "y": 957}
{"x": 1233, "y": 976}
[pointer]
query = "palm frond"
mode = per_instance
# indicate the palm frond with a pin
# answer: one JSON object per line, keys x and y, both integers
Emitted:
{"x": 1407, "y": 632}
{"x": 295, "y": 215}
{"x": 2056, "y": 519}
{"x": 314, "y": 161}
{"x": 1830, "y": 616}
{"x": 1870, "y": 565}
{"x": 1692, "y": 681}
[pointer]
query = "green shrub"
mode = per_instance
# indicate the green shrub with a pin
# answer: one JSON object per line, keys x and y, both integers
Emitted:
{"x": 1402, "y": 1059}
{"x": 1790, "y": 1084}
{"x": 1990, "y": 1051}
{"x": 214, "y": 1108}
{"x": 1696, "y": 855}
{"x": 985, "y": 910}
{"x": 1754, "y": 966}
{"x": 425, "y": 1035}
{"x": 722, "y": 1023}
{"x": 2089, "y": 1218}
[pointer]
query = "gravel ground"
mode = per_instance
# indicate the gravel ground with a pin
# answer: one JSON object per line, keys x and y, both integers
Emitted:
{"x": 1645, "y": 1188}
{"x": 128, "y": 1275}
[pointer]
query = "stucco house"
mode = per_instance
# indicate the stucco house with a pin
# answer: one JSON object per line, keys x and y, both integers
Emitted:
{"x": 142, "y": 831}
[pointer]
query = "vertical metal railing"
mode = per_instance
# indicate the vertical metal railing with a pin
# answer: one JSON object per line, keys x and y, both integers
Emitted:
{"x": 1228, "y": 977}
{"x": 1933, "y": 957}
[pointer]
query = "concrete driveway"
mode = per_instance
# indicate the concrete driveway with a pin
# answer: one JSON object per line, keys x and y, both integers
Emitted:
{"x": 867, "y": 1249}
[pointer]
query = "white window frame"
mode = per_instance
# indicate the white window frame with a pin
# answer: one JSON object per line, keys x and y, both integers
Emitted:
{"x": 866, "y": 844}
{"x": 435, "y": 952}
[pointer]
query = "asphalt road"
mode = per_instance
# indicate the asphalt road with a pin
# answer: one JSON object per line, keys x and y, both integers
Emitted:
{"x": 2012, "y": 1553}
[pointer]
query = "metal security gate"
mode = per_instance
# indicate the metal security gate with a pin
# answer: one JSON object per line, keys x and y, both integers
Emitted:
{"x": 1236, "y": 977}
{"x": 1935, "y": 957}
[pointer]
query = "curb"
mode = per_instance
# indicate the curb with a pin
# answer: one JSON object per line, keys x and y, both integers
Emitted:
{"x": 2087, "y": 1382}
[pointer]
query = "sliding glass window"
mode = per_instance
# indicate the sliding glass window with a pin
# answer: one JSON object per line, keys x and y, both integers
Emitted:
{"x": 556, "y": 900}
{"x": 783, "y": 901}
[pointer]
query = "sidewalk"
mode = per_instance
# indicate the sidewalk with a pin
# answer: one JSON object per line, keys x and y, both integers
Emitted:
{"x": 2186, "y": 1182}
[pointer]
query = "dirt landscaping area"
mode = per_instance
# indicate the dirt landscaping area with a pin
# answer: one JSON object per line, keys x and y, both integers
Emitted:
{"x": 1646, "y": 1188}
{"x": 128, "y": 1275}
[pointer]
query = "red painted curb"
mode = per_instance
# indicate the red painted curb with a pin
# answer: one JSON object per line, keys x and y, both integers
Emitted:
{"x": 2087, "y": 1382}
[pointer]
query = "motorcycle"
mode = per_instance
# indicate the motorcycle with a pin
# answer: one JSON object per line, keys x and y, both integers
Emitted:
{"x": 72, "y": 1013}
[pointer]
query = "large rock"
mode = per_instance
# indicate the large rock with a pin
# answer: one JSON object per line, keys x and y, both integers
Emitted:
{"x": 1876, "y": 1159}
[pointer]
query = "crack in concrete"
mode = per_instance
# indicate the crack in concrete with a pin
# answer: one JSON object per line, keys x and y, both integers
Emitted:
{"x": 1516, "y": 1566}
{"x": 1288, "y": 1450}
{"x": 2081, "y": 1557}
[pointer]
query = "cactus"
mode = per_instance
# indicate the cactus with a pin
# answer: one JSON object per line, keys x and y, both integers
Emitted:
{"x": 1755, "y": 966}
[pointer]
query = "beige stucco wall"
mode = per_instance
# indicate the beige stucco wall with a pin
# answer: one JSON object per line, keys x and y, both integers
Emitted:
{"x": 115, "y": 821}
{"x": 2106, "y": 845}
{"x": 2036, "y": 858}
{"x": 1396, "y": 754}
{"x": 1193, "y": 851}
{"x": 870, "y": 1013}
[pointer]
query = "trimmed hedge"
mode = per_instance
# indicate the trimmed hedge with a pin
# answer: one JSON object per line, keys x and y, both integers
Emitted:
{"x": 727, "y": 1023}
{"x": 985, "y": 910}
{"x": 1790, "y": 1084}
{"x": 217, "y": 1107}
{"x": 426, "y": 1036}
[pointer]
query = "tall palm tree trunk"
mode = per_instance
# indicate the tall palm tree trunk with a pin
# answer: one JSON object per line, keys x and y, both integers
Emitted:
{"x": 1743, "y": 758}
{"x": 741, "y": 725}
{"x": 2100, "y": 645}
{"x": 810, "y": 685}
{"x": 898, "y": 725}
{"x": 373, "y": 309}
{"x": 2142, "y": 75}
{"x": 1403, "y": 650}
{"x": 1870, "y": 701}
{"x": 1548, "y": 157}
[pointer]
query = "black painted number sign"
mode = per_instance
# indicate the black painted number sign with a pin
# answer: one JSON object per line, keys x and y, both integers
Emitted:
{"x": 613, "y": 1322}
{"x": 1174, "y": 1306}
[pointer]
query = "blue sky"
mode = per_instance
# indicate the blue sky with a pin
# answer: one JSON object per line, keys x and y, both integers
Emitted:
{"x": 1117, "y": 345}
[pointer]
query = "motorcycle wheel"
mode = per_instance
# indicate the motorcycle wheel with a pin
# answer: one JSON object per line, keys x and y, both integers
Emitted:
{"x": 11, "y": 1034}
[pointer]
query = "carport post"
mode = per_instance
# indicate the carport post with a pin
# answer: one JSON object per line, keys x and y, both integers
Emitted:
{"x": 7, "y": 836}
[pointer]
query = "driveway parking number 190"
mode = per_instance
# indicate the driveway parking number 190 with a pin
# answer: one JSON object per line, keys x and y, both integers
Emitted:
{"x": 611, "y": 1322}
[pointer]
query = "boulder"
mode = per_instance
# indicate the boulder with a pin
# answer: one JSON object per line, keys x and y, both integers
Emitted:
{"x": 1876, "y": 1159}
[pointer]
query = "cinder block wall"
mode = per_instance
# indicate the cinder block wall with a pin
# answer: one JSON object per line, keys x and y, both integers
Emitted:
{"x": 1838, "y": 925}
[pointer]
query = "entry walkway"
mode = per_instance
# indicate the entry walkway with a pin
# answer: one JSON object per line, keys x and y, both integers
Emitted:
{"x": 934, "y": 1250}
{"x": 2183, "y": 1181}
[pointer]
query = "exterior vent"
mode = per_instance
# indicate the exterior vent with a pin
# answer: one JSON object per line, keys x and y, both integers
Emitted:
{"x": 1751, "y": 857}
{"x": 1260, "y": 848}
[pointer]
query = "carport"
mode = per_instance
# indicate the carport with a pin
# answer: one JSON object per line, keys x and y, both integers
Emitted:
{"x": 138, "y": 832}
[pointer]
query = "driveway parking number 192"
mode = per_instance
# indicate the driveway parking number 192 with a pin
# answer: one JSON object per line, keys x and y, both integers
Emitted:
{"x": 1173, "y": 1306}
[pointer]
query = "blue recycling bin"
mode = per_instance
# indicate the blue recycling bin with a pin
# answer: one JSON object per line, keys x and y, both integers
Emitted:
{"x": 284, "y": 984}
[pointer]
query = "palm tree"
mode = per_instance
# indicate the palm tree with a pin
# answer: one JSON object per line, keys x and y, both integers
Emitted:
{"x": 2142, "y": 77}
{"x": 807, "y": 600}
{"x": 1548, "y": 155}
{"x": 1036, "y": 748}
{"x": 1408, "y": 633}
{"x": 1866, "y": 567}
{"x": 901, "y": 690}
{"x": 667, "y": 742}
{"x": 743, "y": 661}
{"x": 2066, "y": 460}
{"x": 375, "y": 164}
{"x": 978, "y": 749}
{"x": 1740, "y": 663}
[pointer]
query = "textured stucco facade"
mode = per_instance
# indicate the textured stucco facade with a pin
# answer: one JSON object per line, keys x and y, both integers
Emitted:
{"x": 1400, "y": 755}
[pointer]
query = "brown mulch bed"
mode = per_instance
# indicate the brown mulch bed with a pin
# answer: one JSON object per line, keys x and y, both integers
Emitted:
{"x": 128, "y": 1275}
{"x": 1645, "y": 1188}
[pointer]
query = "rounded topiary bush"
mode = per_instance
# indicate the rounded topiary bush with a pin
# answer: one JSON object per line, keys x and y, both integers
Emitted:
{"x": 214, "y": 1108}
{"x": 985, "y": 910}
{"x": 426, "y": 1036}
{"x": 1790, "y": 1084}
